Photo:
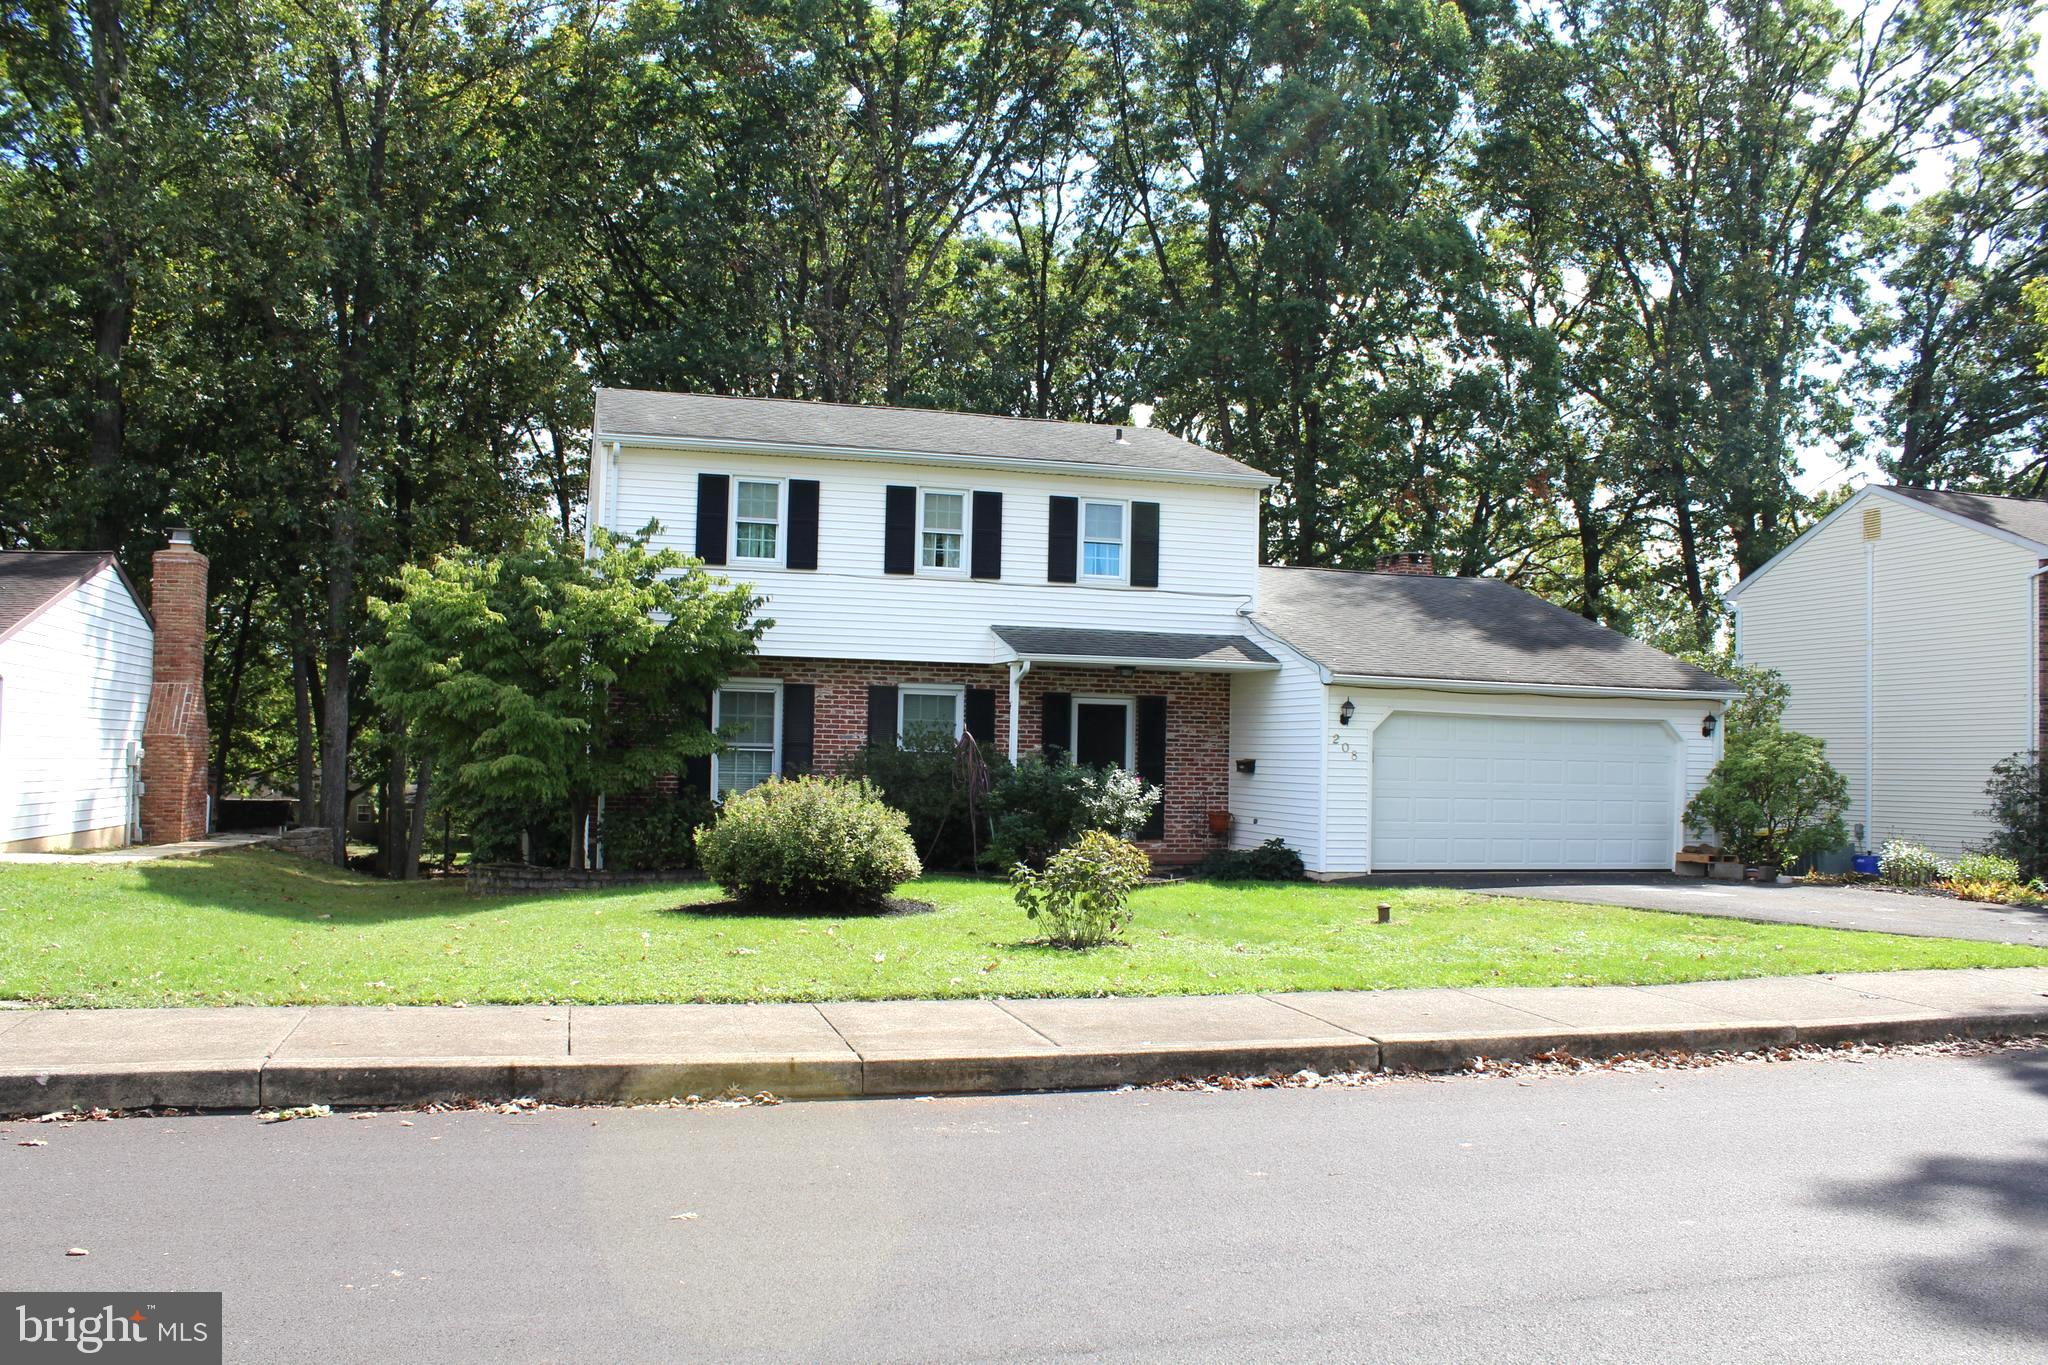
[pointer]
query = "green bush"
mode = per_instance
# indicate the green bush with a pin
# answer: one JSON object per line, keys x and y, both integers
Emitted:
{"x": 1084, "y": 892}
{"x": 813, "y": 842}
{"x": 1901, "y": 862}
{"x": 925, "y": 778}
{"x": 1773, "y": 798}
{"x": 656, "y": 834}
{"x": 1039, "y": 807}
{"x": 1983, "y": 867}
{"x": 2018, "y": 813}
{"x": 1272, "y": 861}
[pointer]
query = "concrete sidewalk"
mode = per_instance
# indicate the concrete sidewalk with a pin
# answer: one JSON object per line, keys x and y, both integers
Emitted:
{"x": 273, "y": 1057}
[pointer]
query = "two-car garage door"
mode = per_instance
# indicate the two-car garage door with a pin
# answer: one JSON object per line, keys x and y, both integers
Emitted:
{"x": 1522, "y": 793}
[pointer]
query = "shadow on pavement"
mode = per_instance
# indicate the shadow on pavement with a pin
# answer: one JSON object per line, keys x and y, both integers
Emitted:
{"x": 2001, "y": 1281}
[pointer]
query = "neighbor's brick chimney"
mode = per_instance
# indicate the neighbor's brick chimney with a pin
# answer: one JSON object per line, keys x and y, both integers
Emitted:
{"x": 174, "y": 734}
{"x": 1408, "y": 561}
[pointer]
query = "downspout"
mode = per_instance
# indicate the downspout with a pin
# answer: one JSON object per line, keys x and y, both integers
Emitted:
{"x": 1018, "y": 668}
{"x": 1869, "y": 694}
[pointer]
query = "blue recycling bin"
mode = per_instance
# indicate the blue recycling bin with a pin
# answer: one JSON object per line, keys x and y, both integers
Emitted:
{"x": 1866, "y": 864}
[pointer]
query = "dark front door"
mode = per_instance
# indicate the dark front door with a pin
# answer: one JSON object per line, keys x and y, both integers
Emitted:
{"x": 1102, "y": 734}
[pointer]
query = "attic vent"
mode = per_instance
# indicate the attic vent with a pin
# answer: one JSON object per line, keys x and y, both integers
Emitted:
{"x": 1873, "y": 523}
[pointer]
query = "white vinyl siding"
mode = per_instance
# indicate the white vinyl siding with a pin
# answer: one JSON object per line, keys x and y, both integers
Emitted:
{"x": 74, "y": 690}
{"x": 1275, "y": 721}
{"x": 849, "y": 609}
{"x": 1952, "y": 655}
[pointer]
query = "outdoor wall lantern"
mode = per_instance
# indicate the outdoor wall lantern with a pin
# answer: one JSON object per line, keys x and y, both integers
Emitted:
{"x": 1707, "y": 725}
{"x": 1346, "y": 712}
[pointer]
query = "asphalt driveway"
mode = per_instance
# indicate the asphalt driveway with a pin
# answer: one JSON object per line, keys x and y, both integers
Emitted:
{"x": 1830, "y": 907}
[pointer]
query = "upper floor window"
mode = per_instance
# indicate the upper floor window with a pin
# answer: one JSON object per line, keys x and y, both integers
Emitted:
{"x": 1103, "y": 533}
{"x": 757, "y": 519}
{"x": 942, "y": 532}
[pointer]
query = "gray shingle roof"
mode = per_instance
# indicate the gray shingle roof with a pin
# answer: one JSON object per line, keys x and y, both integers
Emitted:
{"x": 2024, "y": 517}
{"x": 32, "y": 579}
{"x": 786, "y": 422}
{"x": 1139, "y": 646}
{"x": 1377, "y": 625}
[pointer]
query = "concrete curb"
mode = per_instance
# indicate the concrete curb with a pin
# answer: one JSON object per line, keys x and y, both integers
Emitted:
{"x": 244, "y": 1084}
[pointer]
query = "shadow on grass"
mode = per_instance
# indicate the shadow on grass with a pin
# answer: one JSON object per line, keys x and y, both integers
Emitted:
{"x": 1997, "y": 1280}
{"x": 278, "y": 885}
{"x": 894, "y": 907}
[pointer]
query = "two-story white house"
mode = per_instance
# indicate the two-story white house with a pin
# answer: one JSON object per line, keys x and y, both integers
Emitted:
{"x": 1096, "y": 591}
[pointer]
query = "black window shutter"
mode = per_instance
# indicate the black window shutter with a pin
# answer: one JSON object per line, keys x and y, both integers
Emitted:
{"x": 988, "y": 536}
{"x": 713, "y": 491}
{"x": 882, "y": 716}
{"x": 980, "y": 715}
{"x": 1152, "y": 760}
{"x": 803, "y": 524}
{"x": 799, "y": 712}
{"x": 1062, "y": 539}
{"x": 1144, "y": 544}
{"x": 1056, "y": 724}
{"x": 697, "y": 771}
{"x": 899, "y": 529}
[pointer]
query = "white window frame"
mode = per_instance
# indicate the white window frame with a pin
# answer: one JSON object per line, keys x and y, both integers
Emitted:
{"x": 771, "y": 686}
{"x": 966, "y": 532}
{"x": 732, "y": 532}
{"x": 1130, "y": 705}
{"x": 957, "y": 691}
{"x": 1123, "y": 557}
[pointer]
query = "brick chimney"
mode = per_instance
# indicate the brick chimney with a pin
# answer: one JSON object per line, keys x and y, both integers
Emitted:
{"x": 1408, "y": 561}
{"x": 174, "y": 733}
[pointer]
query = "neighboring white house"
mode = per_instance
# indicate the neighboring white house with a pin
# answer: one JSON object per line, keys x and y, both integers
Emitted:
{"x": 1096, "y": 591}
{"x": 1907, "y": 624}
{"x": 75, "y": 660}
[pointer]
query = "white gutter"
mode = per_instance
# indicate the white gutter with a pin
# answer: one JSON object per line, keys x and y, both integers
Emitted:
{"x": 1156, "y": 665}
{"x": 1018, "y": 668}
{"x": 1539, "y": 689}
{"x": 925, "y": 457}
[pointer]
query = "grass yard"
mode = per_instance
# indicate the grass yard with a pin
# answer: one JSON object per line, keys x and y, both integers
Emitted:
{"x": 262, "y": 928}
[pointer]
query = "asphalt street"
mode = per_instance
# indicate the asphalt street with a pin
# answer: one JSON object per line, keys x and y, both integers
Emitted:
{"x": 1889, "y": 1209}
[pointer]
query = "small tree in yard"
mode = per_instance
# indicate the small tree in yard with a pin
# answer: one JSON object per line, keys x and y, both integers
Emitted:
{"x": 1773, "y": 797}
{"x": 1084, "y": 892}
{"x": 545, "y": 676}
{"x": 2018, "y": 813}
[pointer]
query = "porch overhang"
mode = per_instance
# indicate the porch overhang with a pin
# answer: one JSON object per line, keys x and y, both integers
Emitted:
{"x": 1170, "y": 651}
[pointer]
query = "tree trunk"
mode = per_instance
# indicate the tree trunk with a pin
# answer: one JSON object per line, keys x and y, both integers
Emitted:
{"x": 114, "y": 310}
{"x": 231, "y": 702}
{"x": 394, "y": 830}
{"x": 416, "y": 836}
{"x": 341, "y": 574}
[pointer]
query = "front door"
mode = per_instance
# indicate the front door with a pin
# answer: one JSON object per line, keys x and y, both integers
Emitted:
{"x": 1102, "y": 733}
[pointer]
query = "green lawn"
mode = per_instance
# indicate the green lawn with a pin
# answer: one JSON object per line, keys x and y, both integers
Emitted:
{"x": 263, "y": 928}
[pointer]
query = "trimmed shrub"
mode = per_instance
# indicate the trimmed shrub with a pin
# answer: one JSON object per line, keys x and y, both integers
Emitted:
{"x": 1084, "y": 892}
{"x": 1983, "y": 867}
{"x": 1272, "y": 861}
{"x": 655, "y": 835}
{"x": 1901, "y": 862}
{"x": 2018, "y": 813}
{"x": 1038, "y": 807}
{"x": 812, "y": 842}
{"x": 925, "y": 778}
{"x": 1773, "y": 798}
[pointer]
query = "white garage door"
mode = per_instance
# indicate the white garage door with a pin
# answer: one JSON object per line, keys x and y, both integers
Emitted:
{"x": 1518, "y": 792}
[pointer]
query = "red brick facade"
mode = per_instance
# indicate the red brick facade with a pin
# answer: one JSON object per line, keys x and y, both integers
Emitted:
{"x": 174, "y": 731}
{"x": 1197, "y": 725}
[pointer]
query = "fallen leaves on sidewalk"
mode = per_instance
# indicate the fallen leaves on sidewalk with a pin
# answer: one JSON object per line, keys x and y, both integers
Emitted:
{"x": 301, "y": 1111}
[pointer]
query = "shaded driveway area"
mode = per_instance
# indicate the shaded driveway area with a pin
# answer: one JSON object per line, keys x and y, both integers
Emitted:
{"x": 1829, "y": 907}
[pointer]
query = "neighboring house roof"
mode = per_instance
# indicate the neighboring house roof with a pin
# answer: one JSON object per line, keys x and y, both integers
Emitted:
{"x": 879, "y": 432}
{"x": 1403, "y": 627}
{"x": 2018, "y": 521}
{"x": 32, "y": 581}
{"x": 1060, "y": 644}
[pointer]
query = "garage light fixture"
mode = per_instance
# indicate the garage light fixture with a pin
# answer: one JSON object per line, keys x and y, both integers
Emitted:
{"x": 1346, "y": 712}
{"x": 1707, "y": 725}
